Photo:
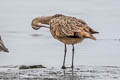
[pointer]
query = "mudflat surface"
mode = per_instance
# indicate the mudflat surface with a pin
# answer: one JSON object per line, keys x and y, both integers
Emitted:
{"x": 81, "y": 72}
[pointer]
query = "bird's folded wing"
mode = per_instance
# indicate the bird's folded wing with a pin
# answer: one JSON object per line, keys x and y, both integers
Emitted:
{"x": 68, "y": 30}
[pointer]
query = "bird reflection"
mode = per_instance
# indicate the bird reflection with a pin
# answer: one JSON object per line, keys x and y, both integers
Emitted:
{"x": 71, "y": 72}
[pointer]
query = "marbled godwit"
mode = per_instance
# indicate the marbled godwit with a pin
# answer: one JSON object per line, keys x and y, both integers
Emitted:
{"x": 66, "y": 29}
{"x": 2, "y": 47}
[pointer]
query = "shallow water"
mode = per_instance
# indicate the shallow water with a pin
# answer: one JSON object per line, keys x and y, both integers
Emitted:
{"x": 28, "y": 46}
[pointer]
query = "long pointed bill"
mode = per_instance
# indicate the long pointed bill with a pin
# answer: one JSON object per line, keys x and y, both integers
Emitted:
{"x": 43, "y": 25}
{"x": 39, "y": 25}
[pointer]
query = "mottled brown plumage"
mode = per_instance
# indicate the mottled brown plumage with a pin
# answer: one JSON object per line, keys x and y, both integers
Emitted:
{"x": 2, "y": 47}
{"x": 66, "y": 29}
{"x": 70, "y": 30}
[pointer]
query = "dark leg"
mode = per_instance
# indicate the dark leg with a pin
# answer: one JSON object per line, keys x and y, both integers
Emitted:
{"x": 72, "y": 56}
{"x": 72, "y": 71}
{"x": 63, "y": 67}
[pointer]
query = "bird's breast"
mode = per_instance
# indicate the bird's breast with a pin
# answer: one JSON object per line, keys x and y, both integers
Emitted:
{"x": 70, "y": 40}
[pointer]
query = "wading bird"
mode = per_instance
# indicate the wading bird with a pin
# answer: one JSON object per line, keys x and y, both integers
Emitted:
{"x": 66, "y": 29}
{"x": 2, "y": 47}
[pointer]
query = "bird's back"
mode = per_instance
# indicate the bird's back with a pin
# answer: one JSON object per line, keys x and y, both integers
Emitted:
{"x": 68, "y": 29}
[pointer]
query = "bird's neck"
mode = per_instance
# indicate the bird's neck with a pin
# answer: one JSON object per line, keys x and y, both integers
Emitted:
{"x": 46, "y": 20}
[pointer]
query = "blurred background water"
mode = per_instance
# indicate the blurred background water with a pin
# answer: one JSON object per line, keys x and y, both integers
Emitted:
{"x": 28, "y": 46}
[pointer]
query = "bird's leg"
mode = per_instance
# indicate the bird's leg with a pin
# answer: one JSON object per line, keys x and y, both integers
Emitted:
{"x": 72, "y": 56}
{"x": 63, "y": 67}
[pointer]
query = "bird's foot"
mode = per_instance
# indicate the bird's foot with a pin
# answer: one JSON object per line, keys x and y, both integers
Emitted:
{"x": 72, "y": 66}
{"x": 63, "y": 67}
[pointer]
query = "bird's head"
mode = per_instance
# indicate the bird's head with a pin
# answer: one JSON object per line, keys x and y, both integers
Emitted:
{"x": 39, "y": 22}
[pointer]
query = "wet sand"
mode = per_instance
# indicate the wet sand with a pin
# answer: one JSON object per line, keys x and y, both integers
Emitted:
{"x": 28, "y": 46}
{"x": 81, "y": 72}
